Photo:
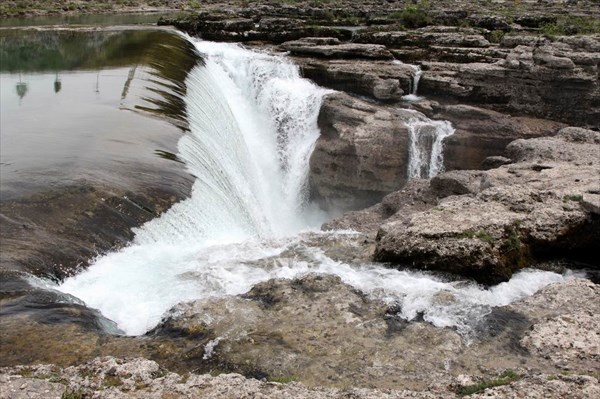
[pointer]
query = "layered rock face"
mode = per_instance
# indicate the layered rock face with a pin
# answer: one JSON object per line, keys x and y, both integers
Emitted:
{"x": 490, "y": 223}
{"x": 362, "y": 152}
{"x": 536, "y": 76}
{"x": 478, "y": 54}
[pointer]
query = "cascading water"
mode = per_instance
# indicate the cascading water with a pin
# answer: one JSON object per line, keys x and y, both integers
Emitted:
{"x": 252, "y": 126}
{"x": 417, "y": 72}
{"x": 426, "y": 137}
{"x": 415, "y": 82}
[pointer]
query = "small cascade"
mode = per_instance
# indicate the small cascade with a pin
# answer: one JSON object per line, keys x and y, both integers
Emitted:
{"x": 426, "y": 136}
{"x": 414, "y": 86}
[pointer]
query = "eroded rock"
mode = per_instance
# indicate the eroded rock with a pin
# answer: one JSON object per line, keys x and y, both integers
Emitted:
{"x": 505, "y": 217}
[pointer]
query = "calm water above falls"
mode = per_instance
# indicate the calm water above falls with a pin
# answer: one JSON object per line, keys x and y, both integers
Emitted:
{"x": 252, "y": 128}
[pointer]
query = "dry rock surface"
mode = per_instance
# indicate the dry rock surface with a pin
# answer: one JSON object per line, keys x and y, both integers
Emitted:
{"x": 491, "y": 223}
{"x": 567, "y": 330}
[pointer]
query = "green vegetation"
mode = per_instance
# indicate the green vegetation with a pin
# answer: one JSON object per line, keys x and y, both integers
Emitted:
{"x": 513, "y": 242}
{"x": 70, "y": 394}
{"x": 282, "y": 379}
{"x": 112, "y": 381}
{"x": 481, "y": 234}
{"x": 26, "y": 372}
{"x": 505, "y": 378}
{"x": 193, "y": 4}
{"x": 413, "y": 16}
{"x": 495, "y": 36}
{"x": 570, "y": 25}
{"x": 574, "y": 198}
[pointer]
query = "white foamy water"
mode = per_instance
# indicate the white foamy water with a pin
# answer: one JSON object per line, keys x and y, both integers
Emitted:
{"x": 253, "y": 126}
{"x": 137, "y": 294}
{"x": 426, "y": 155}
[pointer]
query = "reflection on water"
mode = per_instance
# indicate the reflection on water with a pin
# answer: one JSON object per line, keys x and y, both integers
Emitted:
{"x": 90, "y": 19}
{"x": 67, "y": 100}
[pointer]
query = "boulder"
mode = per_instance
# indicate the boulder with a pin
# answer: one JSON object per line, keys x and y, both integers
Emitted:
{"x": 351, "y": 339}
{"x": 506, "y": 218}
{"x": 563, "y": 330}
{"x": 362, "y": 153}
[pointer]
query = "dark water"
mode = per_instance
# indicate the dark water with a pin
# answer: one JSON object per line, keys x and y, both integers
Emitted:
{"x": 76, "y": 103}
{"x": 96, "y": 20}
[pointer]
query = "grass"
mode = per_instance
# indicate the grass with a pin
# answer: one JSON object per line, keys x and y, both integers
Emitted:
{"x": 413, "y": 16}
{"x": 574, "y": 198}
{"x": 570, "y": 25}
{"x": 26, "y": 372}
{"x": 481, "y": 234}
{"x": 505, "y": 378}
{"x": 496, "y": 36}
{"x": 282, "y": 379}
{"x": 70, "y": 394}
{"x": 112, "y": 381}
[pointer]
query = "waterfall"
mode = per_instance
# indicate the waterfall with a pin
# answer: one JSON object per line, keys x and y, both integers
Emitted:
{"x": 413, "y": 88}
{"x": 426, "y": 158}
{"x": 415, "y": 82}
{"x": 253, "y": 125}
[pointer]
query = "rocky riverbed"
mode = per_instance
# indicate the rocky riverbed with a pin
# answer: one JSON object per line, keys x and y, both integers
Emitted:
{"x": 518, "y": 81}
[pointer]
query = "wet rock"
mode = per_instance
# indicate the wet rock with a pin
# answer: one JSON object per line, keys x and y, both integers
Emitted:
{"x": 480, "y": 133}
{"x": 347, "y": 342}
{"x": 362, "y": 153}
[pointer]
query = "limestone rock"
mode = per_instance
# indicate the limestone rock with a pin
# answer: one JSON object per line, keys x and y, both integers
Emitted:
{"x": 307, "y": 47}
{"x": 380, "y": 80}
{"x": 348, "y": 341}
{"x": 480, "y": 133}
{"x": 564, "y": 330}
{"x": 415, "y": 196}
{"x": 362, "y": 153}
{"x": 510, "y": 216}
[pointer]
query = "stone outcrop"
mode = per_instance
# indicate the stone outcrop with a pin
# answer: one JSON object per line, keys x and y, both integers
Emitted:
{"x": 353, "y": 340}
{"x": 109, "y": 377}
{"x": 362, "y": 153}
{"x": 565, "y": 330}
{"x": 383, "y": 81}
{"x": 481, "y": 133}
{"x": 508, "y": 67}
{"x": 551, "y": 79}
{"x": 494, "y": 222}
{"x": 333, "y": 48}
